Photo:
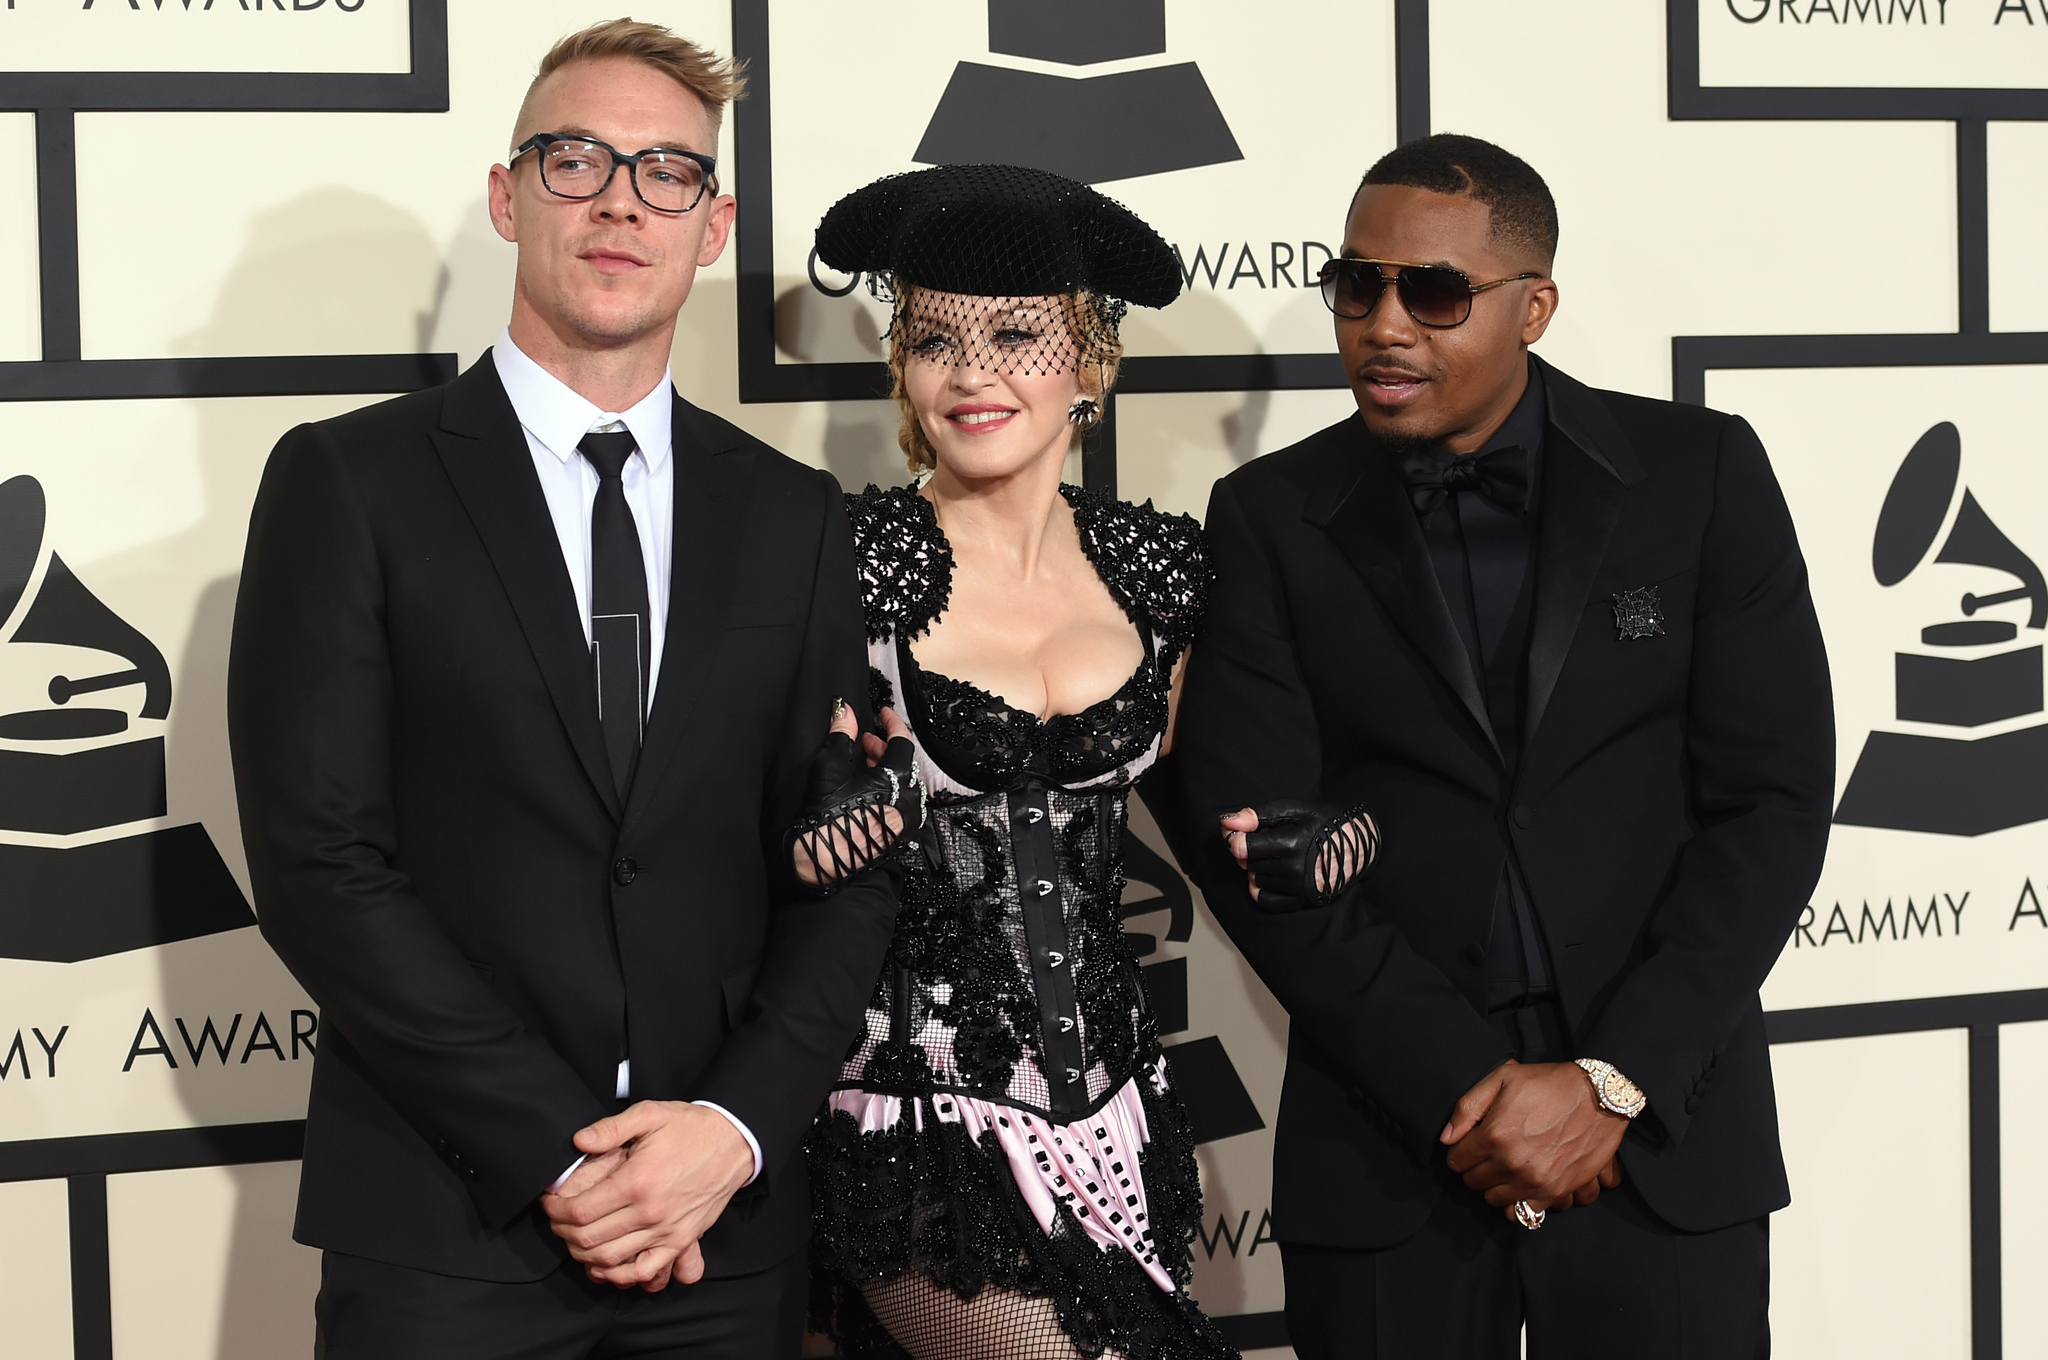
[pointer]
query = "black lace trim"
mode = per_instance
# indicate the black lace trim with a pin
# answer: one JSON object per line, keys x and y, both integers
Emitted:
{"x": 1155, "y": 565}
{"x": 881, "y": 694}
{"x": 938, "y": 1201}
{"x": 904, "y": 563}
{"x": 985, "y": 743}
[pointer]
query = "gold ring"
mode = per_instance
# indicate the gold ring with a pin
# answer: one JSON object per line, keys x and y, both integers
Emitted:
{"x": 1530, "y": 1218}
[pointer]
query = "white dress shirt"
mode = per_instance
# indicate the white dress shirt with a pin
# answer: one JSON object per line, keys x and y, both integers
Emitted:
{"x": 555, "y": 419}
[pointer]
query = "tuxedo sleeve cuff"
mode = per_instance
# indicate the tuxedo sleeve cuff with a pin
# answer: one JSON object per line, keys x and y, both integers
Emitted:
{"x": 753, "y": 1144}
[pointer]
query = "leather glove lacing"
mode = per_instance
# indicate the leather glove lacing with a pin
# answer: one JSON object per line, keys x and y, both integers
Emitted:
{"x": 842, "y": 827}
{"x": 1307, "y": 854}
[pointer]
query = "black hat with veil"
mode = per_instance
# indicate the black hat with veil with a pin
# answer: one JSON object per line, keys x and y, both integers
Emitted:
{"x": 933, "y": 241}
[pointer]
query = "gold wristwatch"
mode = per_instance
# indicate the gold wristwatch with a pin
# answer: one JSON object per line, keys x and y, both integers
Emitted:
{"x": 1616, "y": 1093}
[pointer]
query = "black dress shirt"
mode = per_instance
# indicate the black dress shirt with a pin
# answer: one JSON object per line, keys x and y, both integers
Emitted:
{"x": 1484, "y": 555}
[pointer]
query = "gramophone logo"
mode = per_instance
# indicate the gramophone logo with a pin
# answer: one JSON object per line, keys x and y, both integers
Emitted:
{"x": 87, "y": 758}
{"x": 1977, "y": 671}
{"x": 1143, "y": 121}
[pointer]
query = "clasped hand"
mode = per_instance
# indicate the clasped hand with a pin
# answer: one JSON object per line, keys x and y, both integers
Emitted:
{"x": 655, "y": 1178}
{"x": 1535, "y": 1132}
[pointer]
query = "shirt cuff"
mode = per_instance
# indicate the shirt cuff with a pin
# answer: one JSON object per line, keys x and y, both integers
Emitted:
{"x": 753, "y": 1145}
{"x": 563, "y": 1179}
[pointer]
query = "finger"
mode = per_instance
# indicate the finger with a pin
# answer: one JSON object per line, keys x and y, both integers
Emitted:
{"x": 689, "y": 1266}
{"x": 1491, "y": 1175}
{"x": 617, "y": 1130}
{"x": 603, "y": 1215}
{"x": 585, "y": 1177}
{"x": 660, "y": 1282}
{"x": 1610, "y": 1175}
{"x": 893, "y": 725}
{"x": 637, "y": 1272}
{"x": 873, "y": 747}
{"x": 1239, "y": 851}
{"x": 1588, "y": 1192}
{"x": 617, "y": 1253}
{"x": 842, "y": 718}
{"x": 1244, "y": 819}
{"x": 1473, "y": 1105}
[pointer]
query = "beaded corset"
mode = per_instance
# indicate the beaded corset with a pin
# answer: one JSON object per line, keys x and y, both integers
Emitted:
{"x": 1009, "y": 977}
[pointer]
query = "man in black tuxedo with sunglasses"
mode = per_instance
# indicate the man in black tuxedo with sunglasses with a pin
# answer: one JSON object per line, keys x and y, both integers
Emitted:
{"x": 1560, "y": 642}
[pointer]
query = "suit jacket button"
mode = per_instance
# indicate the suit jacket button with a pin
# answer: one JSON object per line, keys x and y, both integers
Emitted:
{"x": 1474, "y": 955}
{"x": 1523, "y": 817}
{"x": 624, "y": 872}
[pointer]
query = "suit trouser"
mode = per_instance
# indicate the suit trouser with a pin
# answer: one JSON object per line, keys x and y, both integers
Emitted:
{"x": 367, "y": 1310}
{"x": 1605, "y": 1279}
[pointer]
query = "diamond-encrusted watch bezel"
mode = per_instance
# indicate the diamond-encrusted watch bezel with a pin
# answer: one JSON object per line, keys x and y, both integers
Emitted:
{"x": 1615, "y": 1092}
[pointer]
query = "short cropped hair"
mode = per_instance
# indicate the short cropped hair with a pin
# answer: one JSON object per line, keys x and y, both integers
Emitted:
{"x": 1523, "y": 216}
{"x": 715, "y": 80}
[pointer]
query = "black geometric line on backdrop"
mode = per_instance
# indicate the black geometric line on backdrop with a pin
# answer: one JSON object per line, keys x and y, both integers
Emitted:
{"x": 1973, "y": 343}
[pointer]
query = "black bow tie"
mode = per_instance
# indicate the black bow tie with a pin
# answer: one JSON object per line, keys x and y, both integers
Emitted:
{"x": 1500, "y": 475}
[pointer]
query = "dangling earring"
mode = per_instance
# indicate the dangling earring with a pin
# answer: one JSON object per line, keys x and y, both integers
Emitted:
{"x": 1084, "y": 413}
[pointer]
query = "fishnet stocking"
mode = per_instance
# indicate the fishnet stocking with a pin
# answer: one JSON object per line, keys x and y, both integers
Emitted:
{"x": 932, "y": 1322}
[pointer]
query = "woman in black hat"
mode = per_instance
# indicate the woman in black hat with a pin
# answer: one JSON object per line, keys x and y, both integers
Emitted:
{"x": 1005, "y": 1169}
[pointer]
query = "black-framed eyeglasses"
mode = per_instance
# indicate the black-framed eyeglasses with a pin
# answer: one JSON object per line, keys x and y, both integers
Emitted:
{"x": 1436, "y": 295}
{"x": 666, "y": 179}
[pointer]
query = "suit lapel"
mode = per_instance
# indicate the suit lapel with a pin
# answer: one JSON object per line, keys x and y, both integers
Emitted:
{"x": 712, "y": 476}
{"x": 1588, "y": 466}
{"x": 1374, "y": 526}
{"x": 486, "y": 457}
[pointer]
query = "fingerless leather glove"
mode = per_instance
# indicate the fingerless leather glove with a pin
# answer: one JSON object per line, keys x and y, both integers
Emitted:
{"x": 1306, "y": 854}
{"x": 842, "y": 827}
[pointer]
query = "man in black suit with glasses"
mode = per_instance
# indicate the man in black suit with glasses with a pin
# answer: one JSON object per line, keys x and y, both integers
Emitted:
{"x": 1560, "y": 642}
{"x": 528, "y": 671}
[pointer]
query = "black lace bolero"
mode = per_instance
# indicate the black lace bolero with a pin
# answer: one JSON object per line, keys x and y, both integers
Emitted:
{"x": 1156, "y": 565}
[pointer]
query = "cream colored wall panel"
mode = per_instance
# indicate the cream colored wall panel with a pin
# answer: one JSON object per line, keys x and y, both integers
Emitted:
{"x": 1901, "y": 909}
{"x": 35, "y": 1270}
{"x": 2018, "y": 164}
{"x": 1695, "y": 228}
{"x": 311, "y": 35}
{"x": 152, "y": 525}
{"x": 1876, "y": 44}
{"x": 20, "y": 298}
{"x": 1862, "y": 1269}
{"x": 1242, "y": 223}
{"x": 1171, "y": 447}
{"x": 2023, "y": 1114}
{"x": 326, "y": 232}
{"x": 204, "y": 1267}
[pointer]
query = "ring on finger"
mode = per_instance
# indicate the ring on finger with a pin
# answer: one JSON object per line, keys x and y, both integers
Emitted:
{"x": 1528, "y": 1216}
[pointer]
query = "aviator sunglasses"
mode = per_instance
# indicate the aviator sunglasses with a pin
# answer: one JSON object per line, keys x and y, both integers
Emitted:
{"x": 1436, "y": 295}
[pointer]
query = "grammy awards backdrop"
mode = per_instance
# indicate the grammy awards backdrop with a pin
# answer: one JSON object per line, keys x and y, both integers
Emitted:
{"x": 230, "y": 216}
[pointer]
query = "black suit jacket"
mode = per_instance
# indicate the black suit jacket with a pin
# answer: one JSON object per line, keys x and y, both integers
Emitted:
{"x": 441, "y": 859}
{"x": 1670, "y": 808}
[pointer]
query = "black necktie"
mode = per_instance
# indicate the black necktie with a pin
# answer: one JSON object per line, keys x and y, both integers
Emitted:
{"x": 621, "y": 636}
{"x": 1500, "y": 475}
